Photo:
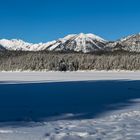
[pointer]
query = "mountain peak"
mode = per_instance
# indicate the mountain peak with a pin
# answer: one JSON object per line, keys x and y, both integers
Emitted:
{"x": 79, "y": 42}
{"x": 75, "y": 42}
{"x": 90, "y": 35}
{"x": 81, "y": 35}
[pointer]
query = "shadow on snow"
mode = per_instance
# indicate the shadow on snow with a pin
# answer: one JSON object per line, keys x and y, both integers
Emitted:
{"x": 59, "y": 100}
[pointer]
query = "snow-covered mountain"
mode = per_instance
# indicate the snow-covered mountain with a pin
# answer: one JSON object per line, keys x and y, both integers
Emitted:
{"x": 15, "y": 44}
{"x": 79, "y": 43}
{"x": 129, "y": 43}
{"x": 76, "y": 42}
{"x": 2, "y": 48}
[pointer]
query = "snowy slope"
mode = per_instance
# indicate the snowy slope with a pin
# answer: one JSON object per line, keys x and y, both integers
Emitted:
{"x": 81, "y": 42}
{"x": 2, "y": 48}
{"x": 15, "y": 44}
{"x": 76, "y": 42}
{"x": 129, "y": 43}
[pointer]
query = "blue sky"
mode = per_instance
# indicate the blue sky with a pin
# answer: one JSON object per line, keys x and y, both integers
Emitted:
{"x": 44, "y": 20}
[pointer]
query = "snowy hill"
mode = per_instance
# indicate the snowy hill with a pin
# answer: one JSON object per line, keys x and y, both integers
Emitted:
{"x": 79, "y": 43}
{"x": 129, "y": 43}
{"x": 2, "y": 48}
{"x": 76, "y": 42}
{"x": 15, "y": 44}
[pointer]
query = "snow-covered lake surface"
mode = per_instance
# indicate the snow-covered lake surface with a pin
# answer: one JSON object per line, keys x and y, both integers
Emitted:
{"x": 70, "y": 105}
{"x": 67, "y": 76}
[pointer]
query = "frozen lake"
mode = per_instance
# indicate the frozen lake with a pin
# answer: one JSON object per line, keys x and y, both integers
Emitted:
{"x": 69, "y": 105}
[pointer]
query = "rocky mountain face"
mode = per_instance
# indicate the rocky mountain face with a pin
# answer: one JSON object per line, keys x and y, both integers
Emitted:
{"x": 17, "y": 45}
{"x": 2, "y": 48}
{"x": 130, "y": 43}
{"x": 75, "y": 42}
{"x": 79, "y": 43}
{"x": 85, "y": 43}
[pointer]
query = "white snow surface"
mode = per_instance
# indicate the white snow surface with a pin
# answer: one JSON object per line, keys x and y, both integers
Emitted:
{"x": 120, "y": 124}
{"x": 54, "y": 76}
{"x": 124, "y": 125}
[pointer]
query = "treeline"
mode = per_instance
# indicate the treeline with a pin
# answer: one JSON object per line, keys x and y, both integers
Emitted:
{"x": 37, "y": 61}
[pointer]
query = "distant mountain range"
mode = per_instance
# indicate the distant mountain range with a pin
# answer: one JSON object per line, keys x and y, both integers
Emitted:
{"x": 85, "y": 43}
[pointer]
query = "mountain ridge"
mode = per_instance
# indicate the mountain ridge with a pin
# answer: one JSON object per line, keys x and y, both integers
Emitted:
{"x": 85, "y": 43}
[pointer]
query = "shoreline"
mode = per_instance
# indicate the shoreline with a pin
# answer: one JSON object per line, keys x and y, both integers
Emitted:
{"x": 47, "y": 71}
{"x": 56, "y": 76}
